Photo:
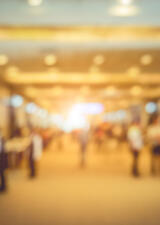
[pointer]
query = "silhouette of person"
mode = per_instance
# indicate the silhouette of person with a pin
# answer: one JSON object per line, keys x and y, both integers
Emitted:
{"x": 2, "y": 165}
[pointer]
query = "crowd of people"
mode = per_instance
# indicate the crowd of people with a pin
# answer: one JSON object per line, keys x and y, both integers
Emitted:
{"x": 133, "y": 133}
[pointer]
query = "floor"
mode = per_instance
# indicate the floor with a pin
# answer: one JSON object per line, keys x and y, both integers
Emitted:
{"x": 102, "y": 193}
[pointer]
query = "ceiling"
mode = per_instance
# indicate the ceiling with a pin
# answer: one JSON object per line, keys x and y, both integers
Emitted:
{"x": 77, "y": 31}
{"x": 76, "y": 12}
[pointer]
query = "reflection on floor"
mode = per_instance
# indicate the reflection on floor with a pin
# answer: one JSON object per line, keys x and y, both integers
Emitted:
{"x": 102, "y": 193}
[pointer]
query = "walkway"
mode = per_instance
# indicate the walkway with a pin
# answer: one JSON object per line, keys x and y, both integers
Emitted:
{"x": 63, "y": 194}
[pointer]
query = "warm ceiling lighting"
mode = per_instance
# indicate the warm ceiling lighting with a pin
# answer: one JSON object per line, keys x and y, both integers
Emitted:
{"x": 31, "y": 91}
{"x": 124, "y": 10}
{"x": 85, "y": 89}
{"x": 146, "y": 59}
{"x": 125, "y": 2}
{"x": 123, "y": 103}
{"x": 53, "y": 70}
{"x": 12, "y": 70}
{"x": 133, "y": 71}
{"x": 35, "y": 2}
{"x": 50, "y": 60}
{"x": 3, "y": 60}
{"x": 57, "y": 91}
{"x": 94, "y": 69}
{"x": 98, "y": 59}
{"x": 136, "y": 90}
{"x": 111, "y": 90}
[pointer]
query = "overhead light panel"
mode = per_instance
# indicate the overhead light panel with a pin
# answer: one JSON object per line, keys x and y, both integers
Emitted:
{"x": 136, "y": 90}
{"x": 35, "y": 2}
{"x": 3, "y": 59}
{"x": 50, "y": 60}
{"x": 146, "y": 59}
{"x": 98, "y": 59}
{"x": 125, "y": 2}
{"x": 111, "y": 91}
{"x": 12, "y": 70}
{"x": 124, "y": 8}
{"x": 134, "y": 71}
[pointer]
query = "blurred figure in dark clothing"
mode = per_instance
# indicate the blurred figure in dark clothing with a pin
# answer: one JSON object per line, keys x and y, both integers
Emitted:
{"x": 153, "y": 135}
{"x": 2, "y": 165}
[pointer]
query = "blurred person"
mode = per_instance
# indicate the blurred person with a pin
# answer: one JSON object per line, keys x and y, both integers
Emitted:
{"x": 25, "y": 131}
{"x": 35, "y": 152}
{"x": 83, "y": 139}
{"x": 99, "y": 137}
{"x": 153, "y": 135}
{"x": 135, "y": 140}
{"x": 2, "y": 165}
{"x": 60, "y": 140}
{"x": 118, "y": 132}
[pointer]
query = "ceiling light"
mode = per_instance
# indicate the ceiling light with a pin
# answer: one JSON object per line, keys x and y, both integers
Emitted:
{"x": 12, "y": 70}
{"x": 124, "y": 10}
{"x": 146, "y": 59}
{"x": 136, "y": 90}
{"x": 50, "y": 60}
{"x": 110, "y": 91}
{"x": 35, "y": 2}
{"x": 16, "y": 100}
{"x": 93, "y": 69}
{"x": 98, "y": 59}
{"x": 125, "y": 2}
{"x": 57, "y": 91}
{"x": 3, "y": 60}
{"x": 151, "y": 107}
{"x": 85, "y": 89}
{"x": 133, "y": 71}
{"x": 123, "y": 103}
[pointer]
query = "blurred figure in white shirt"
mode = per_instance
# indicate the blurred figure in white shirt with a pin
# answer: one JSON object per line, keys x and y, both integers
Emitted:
{"x": 135, "y": 140}
{"x": 35, "y": 153}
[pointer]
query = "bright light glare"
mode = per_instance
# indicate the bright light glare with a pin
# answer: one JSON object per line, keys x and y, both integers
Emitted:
{"x": 76, "y": 118}
{"x": 151, "y": 107}
{"x": 57, "y": 120}
{"x": 35, "y": 2}
{"x": 75, "y": 121}
{"x": 124, "y": 10}
{"x": 126, "y": 2}
{"x": 16, "y": 101}
{"x": 88, "y": 108}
